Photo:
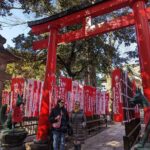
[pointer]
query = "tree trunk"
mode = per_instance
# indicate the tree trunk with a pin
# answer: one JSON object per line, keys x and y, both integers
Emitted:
{"x": 93, "y": 76}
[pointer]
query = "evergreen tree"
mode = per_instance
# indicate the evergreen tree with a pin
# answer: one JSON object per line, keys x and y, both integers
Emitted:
{"x": 83, "y": 59}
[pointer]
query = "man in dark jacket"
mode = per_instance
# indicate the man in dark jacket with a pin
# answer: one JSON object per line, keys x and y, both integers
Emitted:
{"x": 59, "y": 119}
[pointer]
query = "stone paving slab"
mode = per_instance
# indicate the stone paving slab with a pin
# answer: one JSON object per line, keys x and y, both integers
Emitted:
{"x": 109, "y": 139}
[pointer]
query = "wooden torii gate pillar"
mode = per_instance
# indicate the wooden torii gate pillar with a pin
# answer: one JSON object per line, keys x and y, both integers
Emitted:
{"x": 139, "y": 17}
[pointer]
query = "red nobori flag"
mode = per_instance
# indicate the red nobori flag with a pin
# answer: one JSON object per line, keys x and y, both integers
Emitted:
{"x": 98, "y": 104}
{"x": 93, "y": 97}
{"x": 103, "y": 103}
{"x": 88, "y": 103}
{"x": 29, "y": 98}
{"x": 80, "y": 96}
{"x": 17, "y": 87}
{"x": 117, "y": 98}
{"x": 107, "y": 103}
{"x": 36, "y": 98}
{"x": 75, "y": 97}
{"x": 65, "y": 91}
{"x": 17, "y": 115}
{"x": 5, "y": 97}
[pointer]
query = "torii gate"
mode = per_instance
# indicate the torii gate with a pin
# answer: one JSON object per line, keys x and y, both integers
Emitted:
{"x": 139, "y": 18}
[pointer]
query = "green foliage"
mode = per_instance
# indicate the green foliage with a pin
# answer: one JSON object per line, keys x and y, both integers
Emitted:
{"x": 27, "y": 67}
{"x": 82, "y": 59}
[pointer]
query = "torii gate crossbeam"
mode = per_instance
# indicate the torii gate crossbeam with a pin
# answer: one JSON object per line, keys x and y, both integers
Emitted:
{"x": 53, "y": 24}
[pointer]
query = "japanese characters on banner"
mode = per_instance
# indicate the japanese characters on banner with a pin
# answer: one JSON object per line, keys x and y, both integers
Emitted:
{"x": 5, "y": 97}
{"x": 92, "y": 100}
{"x": 77, "y": 94}
{"x": 29, "y": 97}
{"x": 33, "y": 98}
{"x": 36, "y": 98}
{"x": 55, "y": 96}
{"x": 117, "y": 98}
{"x": 98, "y": 102}
{"x": 89, "y": 100}
{"x": 81, "y": 96}
{"x": 123, "y": 92}
{"x": 103, "y": 103}
{"x": 17, "y": 87}
{"x": 107, "y": 102}
{"x": 65, "y": 89}
{"x": 75, "y": 86}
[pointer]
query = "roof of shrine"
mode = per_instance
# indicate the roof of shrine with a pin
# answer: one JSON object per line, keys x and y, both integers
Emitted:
{"x": 5, "y": 55}
{"x": 4, "y": 76}
{"x": 65, "y": 13}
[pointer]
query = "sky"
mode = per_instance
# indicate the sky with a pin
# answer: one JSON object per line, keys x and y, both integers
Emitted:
{"x": 10, "y": 32}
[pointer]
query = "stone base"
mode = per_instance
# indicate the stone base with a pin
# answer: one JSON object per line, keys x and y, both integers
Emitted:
{"x": 13, "y": 148}
{"x": 146, "y": 147}
{"x": 34, "y": 146}
{"x": 12, "y": 137}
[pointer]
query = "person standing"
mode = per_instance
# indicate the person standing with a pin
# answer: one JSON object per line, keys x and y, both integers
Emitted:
{"x": 78, "y": 123}
{"x": 59, "y": 120}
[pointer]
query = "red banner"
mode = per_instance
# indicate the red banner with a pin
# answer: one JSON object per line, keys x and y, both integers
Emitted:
{"x": 17, "y": 87}
{"x": 80, "y": 96}
{"x": 36, "y": 98}
{"x": 107, "y": 103}
{"x": 93, "y": 98}
{"x": 29, "y": 98}
{"x": 98, "y": 103}
{"x": 117, "y": 98}
{"x": 75, "y": 86}
{"x": 17, "y": 115}
{"x": 89, "y": 94}
{"x": 65, "y": 89}
{"x": 103, "y": 103}
{"x": 5, "y": 97}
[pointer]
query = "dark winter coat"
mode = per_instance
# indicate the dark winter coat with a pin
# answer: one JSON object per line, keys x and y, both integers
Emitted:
{"x": 76, "y": 120}
{"x": 64, "y": 120}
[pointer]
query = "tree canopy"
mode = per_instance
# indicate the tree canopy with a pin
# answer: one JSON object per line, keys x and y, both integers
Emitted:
{"x": 83, "y": 59}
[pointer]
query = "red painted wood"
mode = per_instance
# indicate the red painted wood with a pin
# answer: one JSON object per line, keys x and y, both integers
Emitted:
{"x": 115, "y": 24}
{"x": 74, "y": 18}
{"x": 42, "y": 44}
{"x": 143, "y": 39}
{"x": 43, "y": 124}
{"x": 118, "y": 23}
{"x": 143, "y": 33}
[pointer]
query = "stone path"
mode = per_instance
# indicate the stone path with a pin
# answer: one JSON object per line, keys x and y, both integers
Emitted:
{"x": 109, "y": 139}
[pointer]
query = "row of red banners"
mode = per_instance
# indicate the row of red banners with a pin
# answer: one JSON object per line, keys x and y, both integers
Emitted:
{"x": 123, "y": 90}
{"x": 92, "y": 100}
